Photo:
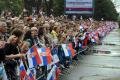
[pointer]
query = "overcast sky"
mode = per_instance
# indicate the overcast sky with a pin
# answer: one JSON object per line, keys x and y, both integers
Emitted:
{"x": 117, "y": 4}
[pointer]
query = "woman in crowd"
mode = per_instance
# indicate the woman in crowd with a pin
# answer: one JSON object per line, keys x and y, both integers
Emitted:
{"x": 11, "y": 53}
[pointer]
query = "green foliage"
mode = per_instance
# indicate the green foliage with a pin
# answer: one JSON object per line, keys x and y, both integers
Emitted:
{"x": 105, "y": 9}
{"x": 58, "y": 7}
{"x": 16, "y": 6}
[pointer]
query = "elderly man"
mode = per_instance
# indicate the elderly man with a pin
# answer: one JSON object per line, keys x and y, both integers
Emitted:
{"x": 3, "y": 30}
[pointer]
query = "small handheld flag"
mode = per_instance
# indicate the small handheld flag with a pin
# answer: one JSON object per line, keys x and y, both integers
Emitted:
{"x": 22, "y": 71}
{"x": 33, "y": 57}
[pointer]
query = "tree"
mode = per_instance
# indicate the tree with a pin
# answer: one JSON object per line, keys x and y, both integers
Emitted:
{"x": 58, "y": 7}
{"x": 105, "y": 9}
{"x": 16, "y": 6}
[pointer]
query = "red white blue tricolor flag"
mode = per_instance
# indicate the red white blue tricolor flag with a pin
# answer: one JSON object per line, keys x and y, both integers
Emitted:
{"x": 30, "y": 75}
{"x": 52, "y": 74}
{"x": 45, "y": 56}
{"x": 33, "y": 57}
{"x": 23, "y": 73}
{"x": 66, "y": 50}
{"x": 71, "y": 49}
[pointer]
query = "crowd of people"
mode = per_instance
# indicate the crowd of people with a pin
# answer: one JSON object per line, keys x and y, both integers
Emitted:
{"x": 18, "y": 35}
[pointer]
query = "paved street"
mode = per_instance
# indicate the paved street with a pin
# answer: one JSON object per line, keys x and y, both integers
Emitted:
{"x": 100, "y": 65}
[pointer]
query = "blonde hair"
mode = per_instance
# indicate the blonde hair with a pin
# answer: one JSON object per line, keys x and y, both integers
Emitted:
{"x": 10, "y": 39}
